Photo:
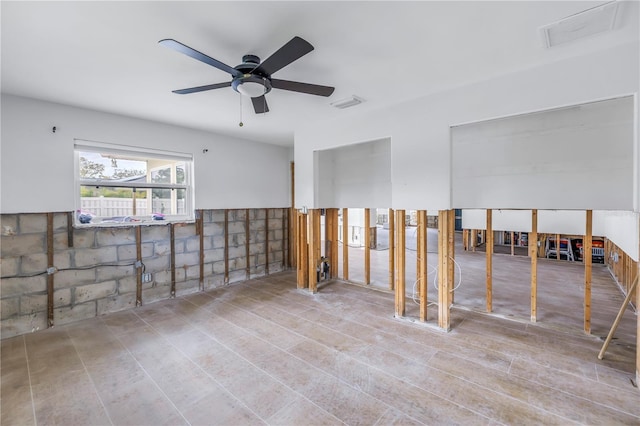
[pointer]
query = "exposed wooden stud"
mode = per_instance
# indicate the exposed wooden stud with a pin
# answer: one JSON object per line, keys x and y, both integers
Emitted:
{"x": 69, "y": 229}
{"x": 293, "y": 221}
{"x": 172, "y": 234}
{"x": 513, "y": 243}
{"x": 247, "y": 241}
{"x": 616, "y": 322}
{"x": 139, "y": 267}
{"x": 422, "y": 262}
{"x": 533, "y": 253}
{"x": 630, "y": 290}
{"x": 345, "y": 244}
{"x": 400, "y": 296}
{"x": 444, "y": 284}
{"x": 266, "y": 241}
{"x": 301, "y": 246}
{"x": 200, "y": 229}
{"x": 558, "y": 247}
{"x": 286, "y": 220}
{"x": 587, "y": 258}
{"x": 50, "y": 270}
{"x": 314, "y": 249}
{"x": 392, "y": 256}
{"x": 331, "y": 240}
{"x": 451, "y": 235}
{"x": 474, "y": 238}
{"x": 465, "y": 239}
{"x": 489, "y": 252}
{"x": 226, "y": 246}
{"x": 367, "y": 246}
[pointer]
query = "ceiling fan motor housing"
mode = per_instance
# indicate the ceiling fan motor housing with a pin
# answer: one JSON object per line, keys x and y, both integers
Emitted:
{"x": 253, "y": 82}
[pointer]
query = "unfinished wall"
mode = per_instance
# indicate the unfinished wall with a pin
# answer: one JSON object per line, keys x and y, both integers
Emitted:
{"x": 96, "y": 271}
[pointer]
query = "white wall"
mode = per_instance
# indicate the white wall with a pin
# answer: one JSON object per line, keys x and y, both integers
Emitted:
{"x": 419, "y": 129}
{"x": 356, "y": 175}
{"x": 38, "y": 165}
{"x": 567, "y": 158}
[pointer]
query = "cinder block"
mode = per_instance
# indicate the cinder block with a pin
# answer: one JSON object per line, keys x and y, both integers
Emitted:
{"x": 127, "y": 285}
{"x": 9, "y": 266}
{"x": 218, "y": 267}
{"x": 214, "y": 228}
{"x": 237, "y": 240}
{"x": 184, "y": 230}
{"x": 108, "y": 273}
{"x": 74, "y": 313}
{"x": 161, "y": 278}
{"x": 258, "y": 214}
{"x": 178, "y": 245}
{"x": 218, "y": 242}
{"x": 256, "y": 248}
{"x": 237, "y": 214}
{"x": 8, "y": 224}
{"x": 61, "y": 297}
{"x": 115, "y": 236}
{"x": 155, "y": 293}
{"x": 193, "y": 244}
{"x": 217, "y": 215}
{"x": 20, "y": 245}
{"x": 23, "y": 324}
{"x": 259, "y": 237}
{"x": 236, "y": 228}
{"x": 213, "y": 255}
{"x": 94, "y": 291}
{"x": 84, "y": 238}
{"x": 30, "y": 223}
{"x": 258, "y": 271}
{"x": 276, "y": 256}
{"x": 214, "y": 281}
{"x": 153, "y": 233}
{"x": 188, "y": 259}
{"x": 162, "y": 248}
{"x": 275, "y": 246}
{"x": 74, "y": 277}
{"x": 88, "y": 257}
{"x": 237, "y": 276}
{"x": 193, "y": 272}
{"x": 257, "y": 225}
{"x": 157, "y": 264}
{"x": 187, "y": 287}
{"x": 60, "y": 222}
{"x": 116, "y": 303}
{"x": 240, "y": 251}
{"x": 62, "y": 259}
{"x": 129, "y": 251}
{"x": 60, "y": 241}
{"x": 259, "y": 259}
{"x": 9, "y": 307}
{"x": 17, "y": 286}
{"x": 33, "y": 263}
{"x": 275, "y": 267}
{"x": 30, "y": 303}
{"x": 239, "y": 263}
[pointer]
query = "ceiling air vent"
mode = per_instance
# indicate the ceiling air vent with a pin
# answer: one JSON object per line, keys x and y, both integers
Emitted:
{"x": 348, "y": 102}
{"x": 592, "y": 21}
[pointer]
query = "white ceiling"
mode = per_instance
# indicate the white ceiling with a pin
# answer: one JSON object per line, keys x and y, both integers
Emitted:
{"x": 105, "y": 55}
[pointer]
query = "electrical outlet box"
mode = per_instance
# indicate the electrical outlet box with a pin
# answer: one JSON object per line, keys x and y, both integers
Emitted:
{"x": 146, "y": 277}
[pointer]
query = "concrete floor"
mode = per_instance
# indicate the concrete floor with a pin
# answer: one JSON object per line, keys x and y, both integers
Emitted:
{"x": 264, "y": 352}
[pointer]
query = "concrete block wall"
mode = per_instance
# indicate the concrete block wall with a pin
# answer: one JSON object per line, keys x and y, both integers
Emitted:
{"x": 98, "y": 274}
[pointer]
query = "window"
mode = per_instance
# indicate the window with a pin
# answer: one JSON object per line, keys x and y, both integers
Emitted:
{"x": 118, "y": 184}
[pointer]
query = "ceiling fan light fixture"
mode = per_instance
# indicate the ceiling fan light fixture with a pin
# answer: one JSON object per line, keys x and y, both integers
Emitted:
{"x": 251, "y": 85}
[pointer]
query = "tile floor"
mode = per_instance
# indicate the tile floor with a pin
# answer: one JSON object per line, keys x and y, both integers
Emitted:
{"x": 263, "y": 352}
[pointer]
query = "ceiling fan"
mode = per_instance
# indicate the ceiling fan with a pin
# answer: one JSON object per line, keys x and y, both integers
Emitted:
{"x": 253, "y": 78}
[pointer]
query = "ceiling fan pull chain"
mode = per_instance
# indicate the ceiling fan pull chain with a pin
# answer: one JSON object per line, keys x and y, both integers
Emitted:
{"x": 241, "y": 123}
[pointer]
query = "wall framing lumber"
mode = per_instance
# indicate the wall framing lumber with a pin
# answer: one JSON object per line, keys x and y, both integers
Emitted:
{"x": 489, "y": 253}
{"x": 293, "y": 252}
{"x": 172, "y": 236}
{"x": 400, "y": 237}
{"x": 139, "y": 268}
{"x": 451, "y": 237}
{"x": 513, "y": 244}
{"x": 444, "y": 282}
{"x": 331, "y": 240}
{"x": 587, "y": 258}
{"x": 247, "y": 242}
{"x": 301, "y": 246}
{"x": 367, "y": 246}
{"x": 50, "y": 269}
{"x": 314, "y": 249}
{"x": 392, "y": 246}
{"x": 345, "y": 244}
{"x": 637, "y": 326}
{"x": 226, "y": 246}
{"x": 422, "y": 263}
{"x": 69, "y": 229}
{"x": 266, "y": 241}
{"x": 533, "y": 253}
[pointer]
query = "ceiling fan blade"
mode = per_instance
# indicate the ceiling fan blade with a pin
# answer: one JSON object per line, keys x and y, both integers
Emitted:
{"x": 179, "y": 47}
{"x": 202, "y": 88}
{"x": 294, "y": 49}
{"x": 260, "y": 105}
{"x": 294, "y": 86}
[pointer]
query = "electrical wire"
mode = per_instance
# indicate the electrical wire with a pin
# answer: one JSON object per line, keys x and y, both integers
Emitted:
{"x": 80, "y": 268}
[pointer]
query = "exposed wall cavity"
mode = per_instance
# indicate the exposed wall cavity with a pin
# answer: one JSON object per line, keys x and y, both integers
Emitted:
{"x": 95, "y": 270}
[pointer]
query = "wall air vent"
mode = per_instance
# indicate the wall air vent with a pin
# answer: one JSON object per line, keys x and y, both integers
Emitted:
{"x": 348, "y": 102}
{"x": 589, "y": 22}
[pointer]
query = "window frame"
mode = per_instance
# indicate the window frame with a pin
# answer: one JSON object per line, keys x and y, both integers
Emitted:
{"x": 187, "y": 159}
